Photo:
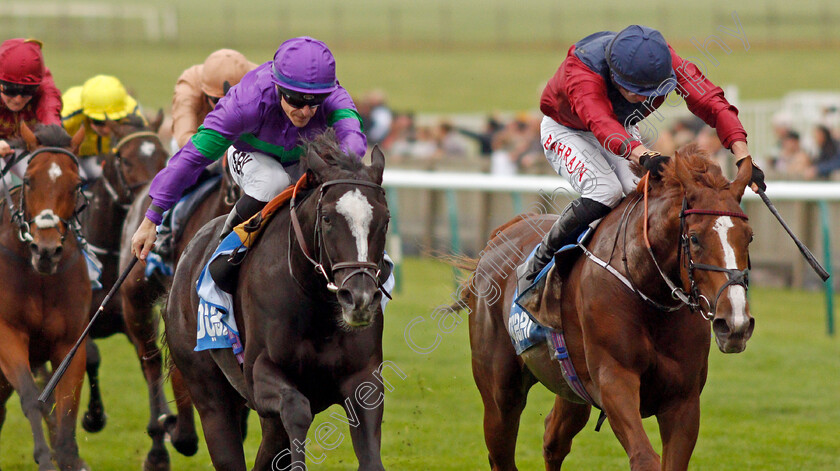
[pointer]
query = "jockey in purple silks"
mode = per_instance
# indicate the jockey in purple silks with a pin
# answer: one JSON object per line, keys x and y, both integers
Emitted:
{"x": 260, "y": 124}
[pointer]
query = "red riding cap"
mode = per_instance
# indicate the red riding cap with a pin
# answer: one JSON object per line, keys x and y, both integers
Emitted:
{"x": 21, "y": 61}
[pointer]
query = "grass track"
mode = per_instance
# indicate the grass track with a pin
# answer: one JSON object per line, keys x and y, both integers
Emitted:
{"x": 774, "y": 407}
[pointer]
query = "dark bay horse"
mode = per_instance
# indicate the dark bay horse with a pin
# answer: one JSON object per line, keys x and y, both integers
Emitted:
{"x": 139, "y": 295}
{"x": 46, "y": 292}
{"x": 137, "y": 154}
{"x": 637, "y": 350}
{"x": 306, "y": 346}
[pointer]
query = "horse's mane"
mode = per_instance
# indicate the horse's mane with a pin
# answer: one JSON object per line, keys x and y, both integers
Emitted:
{"x": 704, "y": 171}
{"x": 48, "y": 135}
{"x": 327, "y": 146}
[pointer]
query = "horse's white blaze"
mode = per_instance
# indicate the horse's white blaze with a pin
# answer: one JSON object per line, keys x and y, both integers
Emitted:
{"x": 737, "y": 294}
{"x": 54, "y": 172}
{"x": 357, "y": 210}
{"x": 147, "y": 149}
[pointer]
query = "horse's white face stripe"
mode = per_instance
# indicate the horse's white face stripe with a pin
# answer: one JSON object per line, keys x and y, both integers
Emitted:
{"x": 147, "y": 149}
{"x": 359, "y": 213}
{"x": 54, "y": 172}
{"x": 737, "y": 294}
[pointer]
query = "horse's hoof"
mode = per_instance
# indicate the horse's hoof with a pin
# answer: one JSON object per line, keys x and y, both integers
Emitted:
{"x": 157, "y": 460}
{"x": 94, "y": 422}
{"x": 186, "y": 446}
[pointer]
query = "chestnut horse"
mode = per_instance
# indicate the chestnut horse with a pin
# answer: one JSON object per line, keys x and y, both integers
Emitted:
{"x": 46, "y": 292}
{"x": 308, "y": 309}
{"x": 137, "y": 154}
{"x": 637, "y": 350}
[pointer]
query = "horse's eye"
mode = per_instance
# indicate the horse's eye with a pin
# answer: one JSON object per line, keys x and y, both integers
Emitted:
{"x": 694, "y": 240}
{"x": 26, "y": 181}
{"x": 326, "y": 219}
{"x": 752, "y": 237}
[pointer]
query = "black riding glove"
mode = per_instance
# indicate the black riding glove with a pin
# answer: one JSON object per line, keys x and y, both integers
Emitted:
{"x": 654, "y": 162}
{"x": 757, "y": 177}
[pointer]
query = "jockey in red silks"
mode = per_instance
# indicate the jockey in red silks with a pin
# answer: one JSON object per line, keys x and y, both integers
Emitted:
{"x": 607, "y": 84}
{"x": 27, "y": 91}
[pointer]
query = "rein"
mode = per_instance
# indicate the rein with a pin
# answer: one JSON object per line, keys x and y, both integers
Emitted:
{"x": 359, "y": 268}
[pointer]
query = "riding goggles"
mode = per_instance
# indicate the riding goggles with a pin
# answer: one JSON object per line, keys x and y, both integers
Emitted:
{"x": 299, "y": 100}
{"x": 14, "y": 89}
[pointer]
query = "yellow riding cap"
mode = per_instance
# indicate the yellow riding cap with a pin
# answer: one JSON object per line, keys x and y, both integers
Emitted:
{"x": 104, "y": 97}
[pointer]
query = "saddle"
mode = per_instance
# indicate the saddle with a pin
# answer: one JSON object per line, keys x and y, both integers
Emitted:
{"x": 556, "y": 271}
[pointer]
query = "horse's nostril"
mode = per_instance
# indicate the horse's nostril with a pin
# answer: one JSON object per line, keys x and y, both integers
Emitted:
{"x": 721, "y": 327}
{"x": 345, "y": 297}
{"x": 58, "y": 251}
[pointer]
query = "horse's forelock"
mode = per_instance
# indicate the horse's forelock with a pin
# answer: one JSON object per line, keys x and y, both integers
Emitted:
{"x": 341, "y": 165}
{"x": 704, "y": 171}
{"x": 52, "y": 135}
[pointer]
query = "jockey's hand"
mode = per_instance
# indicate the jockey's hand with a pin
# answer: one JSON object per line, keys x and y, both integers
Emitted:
{"x": 5, "y": 148}
{"x": 757, "y": 179}
{"x": 653, "y": 162}
{"x": 143, "y": 239}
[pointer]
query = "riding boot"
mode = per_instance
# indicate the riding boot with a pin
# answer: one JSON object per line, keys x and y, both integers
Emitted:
{"x": 225, "y": 270}
{"x": 578, "y": 213}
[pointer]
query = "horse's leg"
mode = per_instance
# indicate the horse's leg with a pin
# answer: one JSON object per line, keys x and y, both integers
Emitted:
{"x": 14, "y": 362}
{"x": 504, "y": 390}
{"x": 367, "y": 435}
{"x": 274, "y": 395}
{"x": 679, "y": 425}
{"x": 67, "y": 393}
{"x": 275, "y": 447}
{"x": 181, "y": 428}
{"x": 562, "y": 424}
{"x": 141, "y": 328}
{"x": 6, "y": 391}
{"x": 220, "y": 416}
{"x": 94, "y": 418}
{"x": 620, "y": 400}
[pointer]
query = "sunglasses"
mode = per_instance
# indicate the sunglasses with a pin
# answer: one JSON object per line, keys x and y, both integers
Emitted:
{"x": 213, "y": 99}
{"x": 299, "y": 100}
{"x": 18, "y": 90}
{"x": 97, "y": 122}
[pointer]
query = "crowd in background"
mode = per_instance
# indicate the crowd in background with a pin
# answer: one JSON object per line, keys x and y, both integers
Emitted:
{"x": 507, "y": 144}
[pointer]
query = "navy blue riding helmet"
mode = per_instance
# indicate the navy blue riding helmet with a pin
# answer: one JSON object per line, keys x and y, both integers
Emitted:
{"x": 640, "y": 61}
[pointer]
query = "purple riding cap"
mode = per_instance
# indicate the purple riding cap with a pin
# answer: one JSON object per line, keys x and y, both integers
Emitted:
{"x": 251, "y": 119}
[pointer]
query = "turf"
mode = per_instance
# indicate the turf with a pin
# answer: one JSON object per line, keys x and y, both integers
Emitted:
{"x": 773, "y": 407}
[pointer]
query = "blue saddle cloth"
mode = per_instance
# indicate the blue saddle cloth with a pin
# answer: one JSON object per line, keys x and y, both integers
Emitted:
{"x": 524, "y": 330}
{"x": 216, "y": 325}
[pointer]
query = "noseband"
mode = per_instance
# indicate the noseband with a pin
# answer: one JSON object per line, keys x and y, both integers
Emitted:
{"x": 47, "y": 218}
{"x": 693, "y": 298}
{"x": 358, "y": 268}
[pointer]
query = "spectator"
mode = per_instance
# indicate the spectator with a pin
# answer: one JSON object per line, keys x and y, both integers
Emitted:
{"x": 484, "y": 138}
{"x": 451, "y": 142}
{"x": 827, "y": 158}
{"x": 377, "y": 117}
{"x": 793, "y": 161}
{"x": 709, "y": 141}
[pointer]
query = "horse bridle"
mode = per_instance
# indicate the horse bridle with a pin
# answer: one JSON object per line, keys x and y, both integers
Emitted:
{"x": 359, "y": 268}
{"x": 128, "y": 189}
{"x": 693, "y": 298}
{"x": 18, "y": 216}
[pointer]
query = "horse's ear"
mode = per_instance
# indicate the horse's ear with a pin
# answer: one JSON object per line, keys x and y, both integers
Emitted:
{"x": 739, "y": 184}
{"x": 28, "y": 137}
{"x": 76, "y": 141}
{"x": 316, "y": 165}
{"x": 155, "y": 123}
{"x": 377, "y": 164}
